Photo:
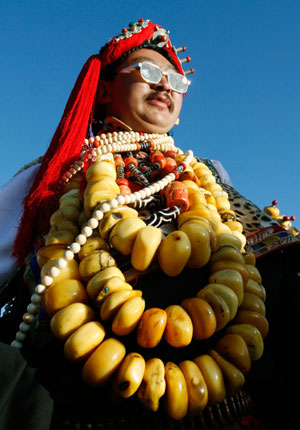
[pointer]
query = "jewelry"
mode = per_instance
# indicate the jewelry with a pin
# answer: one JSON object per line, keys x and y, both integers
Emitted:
{"x": 106, "y": 145}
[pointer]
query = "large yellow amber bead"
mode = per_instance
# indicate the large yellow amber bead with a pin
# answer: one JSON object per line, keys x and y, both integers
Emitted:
{"x": 213, "y": 377}
{"x": 83, "y": 341}
{"x": 128, "y": 316}
{"x": 103, "y": 362}
{"x": 59, "y": 237}
{"x": 50, "y": 252}
{"x": 228, "y": 239}
{"x": 234, "y": 349}
{"x": 112, "y": 303}
{"x": 252, "y": 302}
{"x": 153, "y": 385}
{"x": 92, "y": 200}
{"x": 176, "y": 392}
{"x": 232, "y": 279}
{"x": 70, "y": 212}
{"x": 65, "y": 225}
{"x": 233, "y": 377}
{"x": 179, "y": 327}
{"x": 177, "y": 245}
{"x": 196, "y": 386}
{"x": 105, "y": 183}
{"x": 231, "y": 265}
{"x": 250, "y": 258}
{"x": 123, "y": 234}
{"x": 62, "y": 294}
{"x": 202, "y": 316}
{"x": 111, "y": 286}
{"x": 235, "y": 226}
{"x": 92, "y": 244}
{"x": 71, "y": 271}
{"x": 251, "y": 336}
{"x": 255, "y": 318}
{"x": 99, "y": 170}
{"x": 145, "y": 246}
{"x": 254, "y": 273}
{"x": 94, "y": 263}
{"x": 208, "y": 226}
{"x": 151, "y": 327}
{"x": 200, "y": 244}
{"x": 96, "y": 283}
{"x": 129, "y": 375}
{"x": 113, "y": 217}
{"x": 69, "y": 319}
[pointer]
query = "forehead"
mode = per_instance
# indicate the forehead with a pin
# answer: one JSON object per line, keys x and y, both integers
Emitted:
{"x": 149, "y": 55}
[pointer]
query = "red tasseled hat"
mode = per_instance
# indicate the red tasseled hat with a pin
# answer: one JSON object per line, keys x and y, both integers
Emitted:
{"x": 67, "y": 141}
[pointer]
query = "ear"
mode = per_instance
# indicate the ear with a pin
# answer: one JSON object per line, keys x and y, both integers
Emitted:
{"x": 103, "y": 93}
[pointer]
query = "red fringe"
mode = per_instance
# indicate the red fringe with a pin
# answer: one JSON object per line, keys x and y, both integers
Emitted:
{"x": 64, "y": 149}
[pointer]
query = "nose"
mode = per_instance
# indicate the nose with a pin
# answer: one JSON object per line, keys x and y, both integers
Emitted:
{"x": 163, "y": 84}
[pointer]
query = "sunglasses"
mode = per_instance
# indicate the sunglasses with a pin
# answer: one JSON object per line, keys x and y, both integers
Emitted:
{"x": 153, "y": 74}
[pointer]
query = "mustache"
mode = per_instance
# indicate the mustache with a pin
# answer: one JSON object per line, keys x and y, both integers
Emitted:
{"x": 163, "y": 95}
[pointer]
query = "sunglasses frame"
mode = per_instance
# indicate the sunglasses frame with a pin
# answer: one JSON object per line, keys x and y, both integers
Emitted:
{"x": 163, "y": 73}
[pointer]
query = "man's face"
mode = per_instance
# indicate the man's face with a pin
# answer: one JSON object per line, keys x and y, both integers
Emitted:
{"x": 152, "y": 108}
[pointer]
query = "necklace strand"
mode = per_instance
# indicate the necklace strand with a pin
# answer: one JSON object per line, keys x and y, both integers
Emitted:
{"x": 108, "y": 145}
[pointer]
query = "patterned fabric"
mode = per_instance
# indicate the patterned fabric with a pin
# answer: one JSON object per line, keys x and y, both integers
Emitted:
{"x": 264, "y": 234}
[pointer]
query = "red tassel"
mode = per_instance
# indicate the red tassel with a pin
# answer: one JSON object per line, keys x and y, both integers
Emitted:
{"x": 63, "y": 150}
{"x": 67, "y": 141}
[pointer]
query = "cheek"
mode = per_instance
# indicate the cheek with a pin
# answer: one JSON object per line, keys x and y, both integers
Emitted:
{"x": 177, "y": 104}
{"x": 138, "y": 92}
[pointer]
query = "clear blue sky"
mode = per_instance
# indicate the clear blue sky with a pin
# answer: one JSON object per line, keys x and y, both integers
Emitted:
{"x": 243, "y": 106}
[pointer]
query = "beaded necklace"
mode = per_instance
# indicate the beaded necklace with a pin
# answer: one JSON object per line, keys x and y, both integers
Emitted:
{"x": 111, "y": 146}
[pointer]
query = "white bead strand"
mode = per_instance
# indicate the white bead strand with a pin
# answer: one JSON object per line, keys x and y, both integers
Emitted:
{"x": 109, "y": 143}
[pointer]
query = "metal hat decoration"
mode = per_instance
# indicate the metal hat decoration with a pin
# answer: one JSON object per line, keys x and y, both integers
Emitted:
{"x": 143, "y": 34}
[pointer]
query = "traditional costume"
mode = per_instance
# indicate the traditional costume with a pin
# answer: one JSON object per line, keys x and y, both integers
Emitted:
{"x": 102, "y": 360}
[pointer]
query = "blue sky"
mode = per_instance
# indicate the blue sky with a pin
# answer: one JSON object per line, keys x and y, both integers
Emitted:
{"x": 243, "y": 107}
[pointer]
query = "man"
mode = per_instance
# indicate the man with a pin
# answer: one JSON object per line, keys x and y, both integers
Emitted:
{"x": 136, "y": 84}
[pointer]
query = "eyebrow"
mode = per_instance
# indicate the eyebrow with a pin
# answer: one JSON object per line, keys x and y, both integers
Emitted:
{"x": 150, "y": 60}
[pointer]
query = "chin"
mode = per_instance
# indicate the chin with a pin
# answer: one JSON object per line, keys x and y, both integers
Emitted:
{"x": 155, "y": 127}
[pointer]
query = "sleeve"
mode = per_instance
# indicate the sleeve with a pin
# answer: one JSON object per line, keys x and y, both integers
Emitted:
{"x": 11, "y": 198}
{"x": 223, "y": 174}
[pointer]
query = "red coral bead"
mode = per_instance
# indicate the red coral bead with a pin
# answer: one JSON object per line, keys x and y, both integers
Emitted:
{"x": 131, "y": 160}
{"x": 172, "y": 154}
{"x": 151, "y": 144}
{"x": 122, "y": 181}
{"x": 154, "y": 154}
{"x": 160, "y": 159}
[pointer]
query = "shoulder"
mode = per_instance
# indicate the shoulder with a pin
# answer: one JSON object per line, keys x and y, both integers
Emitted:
{"x": 19, "y": 183}
{"x": 223, "y": 174}
{"x": 12, "y": 195}
{"x": 218, "y": 170}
